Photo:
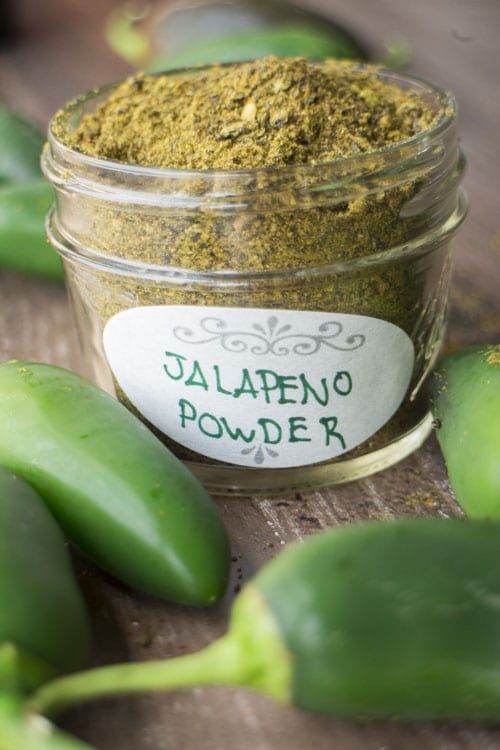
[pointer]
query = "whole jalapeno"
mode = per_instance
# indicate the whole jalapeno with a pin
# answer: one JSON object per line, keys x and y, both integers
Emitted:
{"x": 43, "y": 622}
{"x": 118, "y": 493}
{"x": 391, "y": 619}
{"x": 466, "y": 405}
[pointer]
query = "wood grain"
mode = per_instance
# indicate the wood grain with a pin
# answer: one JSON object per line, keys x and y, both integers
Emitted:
{"x": 61, "y": 52}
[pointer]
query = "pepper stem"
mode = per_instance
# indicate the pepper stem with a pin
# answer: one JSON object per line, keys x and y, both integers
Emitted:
{"x": 252, "y": 653}
{"x": 219, "y": 663}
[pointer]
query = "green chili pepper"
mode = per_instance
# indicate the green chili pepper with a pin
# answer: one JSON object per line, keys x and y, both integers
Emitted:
{"x": 20, "y": 147}
{"x": 43, "y": 622}
{"x": 22, "y": 731}
{"x": 25, "y": 198}
{"x": 466, "y": 403}
{"x": 205, "y": 31}
{"x": 395, "y": 619}
{"x": 282, "y": 41}
{"x": 119, "y": 494}
{"x": 23, "y": 244}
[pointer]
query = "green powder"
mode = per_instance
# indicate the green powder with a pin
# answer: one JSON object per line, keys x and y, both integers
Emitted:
{"x": 261, "y": 114}
{"x": 266, "y": 113}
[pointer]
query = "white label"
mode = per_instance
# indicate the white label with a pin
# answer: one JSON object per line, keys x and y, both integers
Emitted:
{"x": 262, "y": 388}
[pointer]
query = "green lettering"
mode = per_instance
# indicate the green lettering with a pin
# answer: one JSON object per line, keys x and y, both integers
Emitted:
{"x": 297, "y": 423}
{"x": 284, "y": 386}
{"x": 266, "y": 386}
{"x": 237, "y": 433}
{"x": 308, "y": 389}
{"x": 218, "y": 384}
{"x": 265, "y": 424}
{"x": 180, "y": 373}
{"x": 184, "y": 415}
{"x": 342, "y": 383}
{"x": 330, "y": 423}
{"x": 206, "y": 417}
{"x": 246, "y": 386}
{"x": 197, "y": 372}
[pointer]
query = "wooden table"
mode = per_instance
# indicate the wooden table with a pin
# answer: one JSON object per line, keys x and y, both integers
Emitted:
{"x": 61, "y": 53}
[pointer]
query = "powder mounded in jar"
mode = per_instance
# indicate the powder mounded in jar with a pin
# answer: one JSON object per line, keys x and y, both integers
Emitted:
{"x": 269, "y": 112}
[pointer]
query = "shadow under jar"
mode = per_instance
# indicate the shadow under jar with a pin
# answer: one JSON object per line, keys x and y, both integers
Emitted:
{"x": 275, "y": 327}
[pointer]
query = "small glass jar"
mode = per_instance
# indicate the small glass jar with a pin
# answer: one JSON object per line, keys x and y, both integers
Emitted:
{"x": 275, "y": 327}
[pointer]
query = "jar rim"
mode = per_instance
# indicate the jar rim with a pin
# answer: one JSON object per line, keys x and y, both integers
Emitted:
{"x": 442, "y": 96}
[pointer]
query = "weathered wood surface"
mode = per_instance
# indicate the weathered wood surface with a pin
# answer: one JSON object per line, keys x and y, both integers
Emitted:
{"x": 60, "y": 53}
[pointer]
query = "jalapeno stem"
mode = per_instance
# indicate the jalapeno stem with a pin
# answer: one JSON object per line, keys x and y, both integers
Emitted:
{"x": 220, "y": 663}
{"x": 251, "y": 653}
{"x": 21, "y": 670}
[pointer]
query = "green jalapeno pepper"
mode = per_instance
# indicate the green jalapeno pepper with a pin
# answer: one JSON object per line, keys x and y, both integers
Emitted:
{"x": 283, "y": 41}
{"x": 25, "y": 198}
{"x": 395, "y": 619}
{"x": 21, "y": 731}
{"x": 118, "y": 493}
{"x": 20, "y": 147}
{"x": 43, "y": 622}
{"x": 212, "y": 31}
{"x": 23, "y": 244}
{"x": 466, "y": 403}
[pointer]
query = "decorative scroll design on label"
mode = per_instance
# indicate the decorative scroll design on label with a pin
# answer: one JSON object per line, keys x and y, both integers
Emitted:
{"x": 259, "y": 455}
{"x": 271, "y": 339}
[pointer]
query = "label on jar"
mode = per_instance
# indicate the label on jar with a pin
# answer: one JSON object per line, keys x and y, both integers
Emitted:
{"x": 261, "y": 388}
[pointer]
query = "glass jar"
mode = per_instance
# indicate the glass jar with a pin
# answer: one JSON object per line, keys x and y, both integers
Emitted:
{"x": 275, "y": 327}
